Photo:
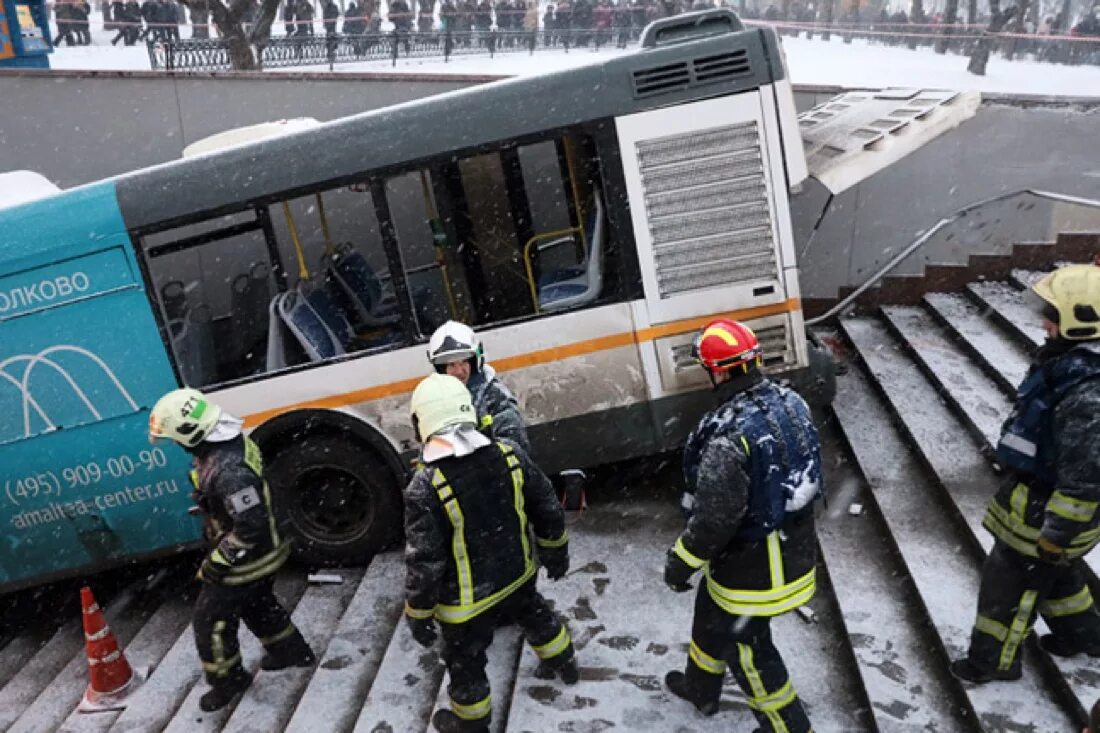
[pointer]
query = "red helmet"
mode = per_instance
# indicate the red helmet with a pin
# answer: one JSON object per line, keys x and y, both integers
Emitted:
{"x": 725, "y": 345}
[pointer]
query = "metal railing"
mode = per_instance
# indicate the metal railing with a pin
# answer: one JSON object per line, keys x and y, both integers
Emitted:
{"x": 203, "y": 54}
{"x": 923, "y": 239}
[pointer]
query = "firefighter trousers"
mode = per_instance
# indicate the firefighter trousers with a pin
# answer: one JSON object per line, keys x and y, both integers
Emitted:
{"x": 1013, "y": 589}
{"x": 464, "y": 647}
{"x": 218, "y": 613}
{"x": 743, "y": 644}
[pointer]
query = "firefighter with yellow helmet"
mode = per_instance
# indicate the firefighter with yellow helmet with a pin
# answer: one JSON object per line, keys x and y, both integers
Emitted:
{"x": 244, "y": 545}
{"x": 752, "y": 469}
{"x": 471, "y": 563}
{"x": 1044, "y": 517}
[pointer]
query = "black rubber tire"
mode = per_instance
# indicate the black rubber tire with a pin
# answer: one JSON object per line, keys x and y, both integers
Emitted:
{"x": 335, "y": 497}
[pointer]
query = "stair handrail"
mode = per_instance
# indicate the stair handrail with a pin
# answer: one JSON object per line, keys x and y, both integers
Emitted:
{"x": 919, "y": 242}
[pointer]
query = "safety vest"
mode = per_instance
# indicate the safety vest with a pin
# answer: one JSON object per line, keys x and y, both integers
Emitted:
{"x": 481, "y": 496}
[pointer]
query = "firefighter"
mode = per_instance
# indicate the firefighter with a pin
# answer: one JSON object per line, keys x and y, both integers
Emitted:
{"x": 752, "y": 469}
{"x": 244, "y": 547}
{"x": 1044, "y": 518}
{"x": 455, "y": 349}
{"x": 471, "y": 565}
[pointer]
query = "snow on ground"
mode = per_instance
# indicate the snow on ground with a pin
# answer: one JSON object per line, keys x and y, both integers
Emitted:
{"x": 858, "y": 64}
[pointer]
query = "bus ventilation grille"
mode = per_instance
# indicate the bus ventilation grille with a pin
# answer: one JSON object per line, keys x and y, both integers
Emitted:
{"x": 704, "y": 70}
{"x": 709, "y": 213}
{"x": 775, "y": 342}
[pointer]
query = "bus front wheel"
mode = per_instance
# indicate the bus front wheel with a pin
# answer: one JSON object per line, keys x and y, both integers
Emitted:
{"x": 336, "y": 498}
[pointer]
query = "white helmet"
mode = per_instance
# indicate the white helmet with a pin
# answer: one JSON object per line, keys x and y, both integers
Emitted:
{"x": 440, "y": 401}
{"x": 185, "y": 416}
{"x": 454, "y": 341}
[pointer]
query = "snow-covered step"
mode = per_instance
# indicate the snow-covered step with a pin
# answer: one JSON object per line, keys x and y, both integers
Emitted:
{"x": 21, "y": 649}
{"x": 942, "y": 565}
{"x": 503, "y": 658}
{"x": 339, "y": 685}
{"x": 269, "y": 703}
{"x": 906, "y": 685}
{"x": 1024, "y": 279}
{"x": 144, "y": 653}
{"x": 405, "y": 689}
{"x": 1009, "y": 306}
{"x": 1001, "y": 357}
{"x": 52, "y": 659}
{"x": 181, "y": 670}
{"x": 978, "y": 400}
{"x": 630, "y": 630}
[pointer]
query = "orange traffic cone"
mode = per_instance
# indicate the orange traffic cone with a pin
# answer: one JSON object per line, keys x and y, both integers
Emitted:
{"x": 111, "y": 678}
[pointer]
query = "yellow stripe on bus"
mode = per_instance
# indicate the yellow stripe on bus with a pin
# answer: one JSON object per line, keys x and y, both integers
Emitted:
{"x": 533, "y": 358}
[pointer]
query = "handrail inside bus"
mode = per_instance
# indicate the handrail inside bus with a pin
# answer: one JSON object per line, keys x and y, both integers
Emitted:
{"x": 920, "y": 241}
{"x": 529, "y": 263}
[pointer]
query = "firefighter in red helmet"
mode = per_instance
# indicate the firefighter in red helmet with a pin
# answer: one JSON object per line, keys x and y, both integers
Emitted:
{"x": 752, "y": 469}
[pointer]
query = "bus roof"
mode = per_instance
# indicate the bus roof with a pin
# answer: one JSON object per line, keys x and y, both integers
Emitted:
{"x": 341, "y": 151}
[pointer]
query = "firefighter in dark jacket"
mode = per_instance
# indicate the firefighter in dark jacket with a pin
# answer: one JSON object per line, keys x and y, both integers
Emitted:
{"x": 1044, "y": 517}
{"x": 456, "y": 350}
{"x": 470, "y": 557}
{"x": 244, "y": 546}
{"x": 753, "y": 469}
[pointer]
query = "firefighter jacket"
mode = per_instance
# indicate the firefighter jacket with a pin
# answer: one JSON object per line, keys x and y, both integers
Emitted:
{"x": 493, "y": 400}
{"x": 468, "y": 545}
{"x": 752, "y": 470}
{"x": 242, "y": 537}
{"x": 1051, "y": 444}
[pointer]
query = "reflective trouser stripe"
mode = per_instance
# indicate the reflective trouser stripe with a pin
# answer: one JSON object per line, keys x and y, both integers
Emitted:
{"x": 1079, "y": 602}
{"x": 760, "y": 695}
{"x": 1017, "y": 631}
{"x": 221, "y": 668}
{"x": 1070, "y": 508}
{"x": 704, "y": 661}
{"x": 555, "y": 646}
{"x": 1019, "y": 444}
{"x": 690, "y": 559}
{"x": 763, "y": 603}
{"x": 1018, "y": 501}
{"x": 475, "y": 711}
{"x": 552, "y": 544}
{"x": 418, "y": 613}
{"x": 992, "y": 627}
{"x": 275, "y": 638}
{"x": 775, "y": 560}
{"x": 458, "y": 538}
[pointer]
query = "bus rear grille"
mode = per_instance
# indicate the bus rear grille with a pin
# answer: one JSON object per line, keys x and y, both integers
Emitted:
{"x": 774, "y": 340}
{"x": 661, "y": 79}
{"x": 703, "y": 70}
{"x": 708, "y": 209}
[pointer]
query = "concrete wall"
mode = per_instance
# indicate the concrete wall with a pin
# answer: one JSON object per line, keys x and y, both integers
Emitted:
{"x": 82, "y": 126}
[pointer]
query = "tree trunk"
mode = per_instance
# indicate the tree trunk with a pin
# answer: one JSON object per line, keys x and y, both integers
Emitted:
{"x": 828, "y": 18}
{"x": 916, "y": 17}
{"x": 950, "y": 18}
{"x": 972, "y": 12}
{"x": 1017, "y": 26}
{"x": 230, "y": 22}
{"x": 980, "y": 57}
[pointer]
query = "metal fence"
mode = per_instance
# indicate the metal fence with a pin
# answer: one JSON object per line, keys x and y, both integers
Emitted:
{"x": 201, "y": 54}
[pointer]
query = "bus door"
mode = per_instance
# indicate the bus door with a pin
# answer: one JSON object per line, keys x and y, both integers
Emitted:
{"x": 81, "y": 364}
{"x": 709, "y": 210}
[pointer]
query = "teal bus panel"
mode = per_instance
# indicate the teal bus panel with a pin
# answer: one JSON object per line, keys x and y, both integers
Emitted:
{"x": 81, "y": 363}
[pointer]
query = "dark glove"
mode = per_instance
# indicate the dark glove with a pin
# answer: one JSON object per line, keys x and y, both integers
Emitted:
{"x": 213, "y": 571}
{"x": 423, "y": 630}
{"x": 1051, "y": 553}
{"x": 555, "y": 560}
{"x": 677, "y": 573}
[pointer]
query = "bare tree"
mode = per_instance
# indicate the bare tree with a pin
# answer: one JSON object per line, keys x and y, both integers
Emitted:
{"x": 950, "y": 18}
{"x": 1016, "y": 27}
{"x": 827, "y": 16}
{"x": 916, "y": 17}
{"x": 232, "y": 19}
{"x": 997, "y": 21}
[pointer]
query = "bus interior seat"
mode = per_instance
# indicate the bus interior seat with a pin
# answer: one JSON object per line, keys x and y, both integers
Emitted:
{"x": 328, "y": 310}
{"x": 370, "y": 303}
{"x": 308, "y": 328}
{"x": 193, "y": 343}
{"x": 174, "y": 297}
{"x": 250, "y": 297}
{"x": 582, "y": 284}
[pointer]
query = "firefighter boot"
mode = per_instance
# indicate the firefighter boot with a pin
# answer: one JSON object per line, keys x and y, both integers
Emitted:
{"x": 446, "y": 721}
{"x": 224, "y": 689}
{"x": 967, "y": 671}
{"x": 567, "y": 670}
{"x": 293, "y": 651}
{"x": 697, "y": 687}
{"x": 1062, "y": 647}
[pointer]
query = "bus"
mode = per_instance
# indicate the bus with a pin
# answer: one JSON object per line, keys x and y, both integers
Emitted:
{"x": 587, "y": 223}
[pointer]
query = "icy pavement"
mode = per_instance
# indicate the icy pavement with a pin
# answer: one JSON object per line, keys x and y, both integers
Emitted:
{"x": 833, "y": 63}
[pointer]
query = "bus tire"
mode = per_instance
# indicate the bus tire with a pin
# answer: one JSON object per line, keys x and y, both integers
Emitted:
{"x": 336, "y": 498}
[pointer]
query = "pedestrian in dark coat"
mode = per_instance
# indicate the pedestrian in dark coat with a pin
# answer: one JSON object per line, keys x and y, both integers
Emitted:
{"x": 330, "y": 12}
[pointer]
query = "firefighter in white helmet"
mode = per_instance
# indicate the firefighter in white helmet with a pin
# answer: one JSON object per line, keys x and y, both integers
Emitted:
{"x": 244, "y": 546}
{"x": 471, "y": 562}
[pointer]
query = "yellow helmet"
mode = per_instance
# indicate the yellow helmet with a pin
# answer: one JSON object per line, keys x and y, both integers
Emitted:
{"x": 185, "y": 416}
{"x": 439, "y": 402}
{"x": 1074, "y": 291}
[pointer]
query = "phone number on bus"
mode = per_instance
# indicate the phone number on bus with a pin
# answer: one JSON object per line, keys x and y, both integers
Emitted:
{"x": 47, "y": 483}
